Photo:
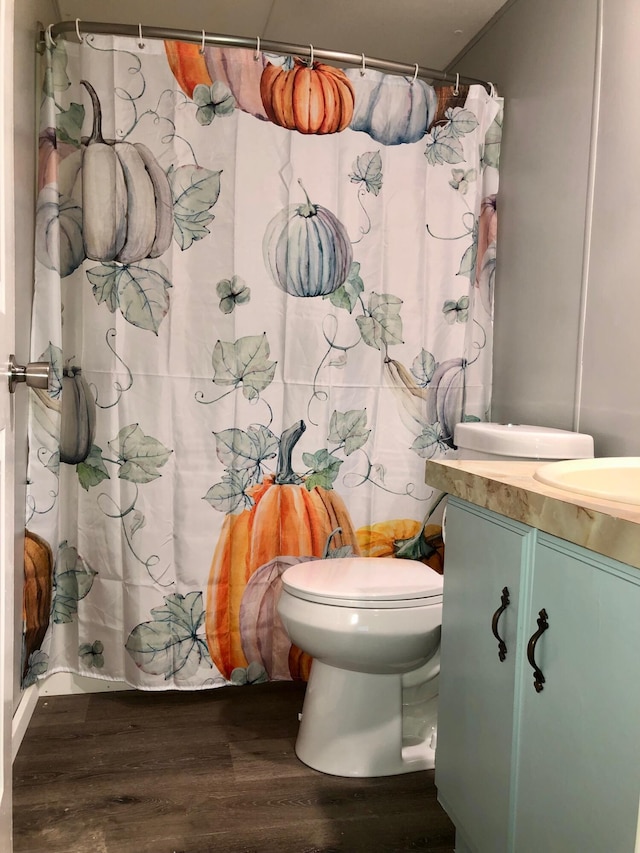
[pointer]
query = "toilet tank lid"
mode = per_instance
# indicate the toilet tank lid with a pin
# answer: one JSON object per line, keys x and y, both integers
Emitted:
{"x": 364, "y": 578}
{"x": 523, "y": 440}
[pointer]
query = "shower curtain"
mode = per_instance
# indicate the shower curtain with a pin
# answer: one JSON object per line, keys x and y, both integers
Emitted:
{"x": 265, "y": 290}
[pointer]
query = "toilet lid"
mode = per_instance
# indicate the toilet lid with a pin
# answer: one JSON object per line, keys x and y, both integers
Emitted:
{"x": 364, "y": 582}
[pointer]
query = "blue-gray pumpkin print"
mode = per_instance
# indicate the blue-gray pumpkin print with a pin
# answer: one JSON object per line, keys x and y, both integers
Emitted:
{"x": 391, "y": 112}
{"x": 307, "y": 250}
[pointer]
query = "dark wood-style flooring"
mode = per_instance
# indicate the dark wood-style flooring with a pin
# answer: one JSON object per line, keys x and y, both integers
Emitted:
{"x": 135, "y": 772}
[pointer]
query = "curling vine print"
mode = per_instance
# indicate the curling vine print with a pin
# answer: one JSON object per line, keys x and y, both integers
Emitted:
{"x": 265, "y": 289}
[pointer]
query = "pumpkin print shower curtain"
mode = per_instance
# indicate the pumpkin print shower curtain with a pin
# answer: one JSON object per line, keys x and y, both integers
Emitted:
{"x": 265, "y": 289}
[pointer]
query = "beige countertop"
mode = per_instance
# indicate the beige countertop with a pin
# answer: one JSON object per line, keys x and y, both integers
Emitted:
{"x": 610, "y": 528}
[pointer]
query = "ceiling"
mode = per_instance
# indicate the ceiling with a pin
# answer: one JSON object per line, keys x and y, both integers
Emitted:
{"x": 430, "y": 32}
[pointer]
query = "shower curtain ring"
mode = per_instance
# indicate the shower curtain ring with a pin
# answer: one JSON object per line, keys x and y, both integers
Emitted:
{"x": 363, "y": 69}
{"x": 310, "y": 54}
{"x": 415, "y": 75}
{"x": 202, "y": 45}
{"x": 140, "y": 42}
{"x": 456, "y": 90}
{"x": 256, "y": 55}
{"x": 48, "y": 38}
{"x": 78, "y": 33}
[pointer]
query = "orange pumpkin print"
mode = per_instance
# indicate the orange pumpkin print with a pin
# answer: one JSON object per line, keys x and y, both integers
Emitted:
{"x": 286, "y": 519}
{"x": 404, "y": 538}
{"x": 309, "y": 99}
{"x": 187, "y": 65}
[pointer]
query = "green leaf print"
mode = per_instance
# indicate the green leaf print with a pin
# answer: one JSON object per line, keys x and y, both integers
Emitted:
{"x": 381, "y": 326}
{"x": 428, "y": 441}
{"x": 195, "y": 189}
{"x": 255, "y": 673}
{"x": 91, "y": 654}
{"x": 92, "y": 471}
{"x": 53, "y": 355}
{"x": 349, "y": 428}
{"x": 324, "y": 469}
{"x": 468, "y": 262}
{"x": 37, "y": 665}
{"x": 228, "y": 495}
{"x": 456, "y": 312}
{"x": 171, "y": 643}
{"x": 265, "y": 442}
{"x": 461, "y": 179}
{"x": 367, "y": 170}
{"x": 492, "y": 142}
{"x": 423, "y": 367}
{"x": 212, "y": 101}
{"x": 140, "y": 291}
{"x": 238, "y": 449}
{"x": 442, "y": 147}
{"x": 104, "y": 283}
{"x": 140, "y": 455}
{"x": 72, "y": 581}
{"x": 69, "y": 124}
{"x": 461, "y": 121}
{"x": 243, "y": 454}
{"x": 55, "y": 75}
{"x": 143, "y": 294}
{"x": 346, "y": 296}
{"x": 189, "y": 229}
{"x": 232, "y": 292}
{"x": 53, "y": 463}
{"x": 244, "y": 362}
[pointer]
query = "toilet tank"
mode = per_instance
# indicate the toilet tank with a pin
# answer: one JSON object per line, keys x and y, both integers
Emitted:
{"x": 479, "y": 440}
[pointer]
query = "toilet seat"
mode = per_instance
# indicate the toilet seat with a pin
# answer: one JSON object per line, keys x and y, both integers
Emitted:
{"x": 383, "y": 582}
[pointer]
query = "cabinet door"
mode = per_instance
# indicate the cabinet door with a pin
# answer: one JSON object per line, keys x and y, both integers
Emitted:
{"x": 484, "y": 553}
{"x": 578, "y": 779}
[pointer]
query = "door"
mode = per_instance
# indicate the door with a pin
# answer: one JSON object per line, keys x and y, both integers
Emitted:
{"x": 579, "y": 766}
{"x": 484, "y": 554}
{"x": 6, "y": 420}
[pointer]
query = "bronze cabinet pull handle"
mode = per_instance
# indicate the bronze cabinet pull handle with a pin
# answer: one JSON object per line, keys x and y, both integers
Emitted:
{"x": 543, "y": 624}
{"x": 504, "y": 603}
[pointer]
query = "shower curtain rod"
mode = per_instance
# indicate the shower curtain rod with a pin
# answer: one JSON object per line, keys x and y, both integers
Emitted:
{"x": 278, "y": 47}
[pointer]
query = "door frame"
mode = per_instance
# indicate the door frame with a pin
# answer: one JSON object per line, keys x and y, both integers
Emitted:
{"x": 7, "y": 415}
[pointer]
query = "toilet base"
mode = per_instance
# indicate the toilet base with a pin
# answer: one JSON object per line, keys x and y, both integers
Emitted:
{"x": 352, "y": 725}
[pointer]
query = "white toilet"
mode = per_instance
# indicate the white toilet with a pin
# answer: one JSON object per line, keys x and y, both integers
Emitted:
{"x": 372, "y": 626}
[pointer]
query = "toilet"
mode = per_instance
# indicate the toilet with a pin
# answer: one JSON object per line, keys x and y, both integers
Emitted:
{"x": 372, "y": 627}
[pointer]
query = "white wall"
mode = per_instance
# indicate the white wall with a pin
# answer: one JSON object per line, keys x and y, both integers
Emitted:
{"x": 27, "y": 14}
{"x": 541, "y": 56}
{"x": 610, "y": 408}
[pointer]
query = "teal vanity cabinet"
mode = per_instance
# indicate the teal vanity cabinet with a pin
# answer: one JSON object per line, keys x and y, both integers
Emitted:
{"x": 545, "y": 758}
{"x": 484, "y": 557}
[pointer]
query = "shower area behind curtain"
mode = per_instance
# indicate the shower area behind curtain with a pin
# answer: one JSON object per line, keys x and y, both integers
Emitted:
{"x": 265, "y": 290}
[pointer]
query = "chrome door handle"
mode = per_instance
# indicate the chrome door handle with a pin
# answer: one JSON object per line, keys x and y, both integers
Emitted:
{"x": 35, "y": 374}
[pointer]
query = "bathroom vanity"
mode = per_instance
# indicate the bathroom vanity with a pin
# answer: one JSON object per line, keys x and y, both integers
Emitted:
{"x": 539, "y": 707}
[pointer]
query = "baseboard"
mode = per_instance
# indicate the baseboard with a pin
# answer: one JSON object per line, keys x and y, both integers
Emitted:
{"x": 22, "y": 717}
{"x": 65, "y": 683}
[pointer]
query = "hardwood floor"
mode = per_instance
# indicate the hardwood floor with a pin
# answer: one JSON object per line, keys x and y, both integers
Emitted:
{"x": 135, "y": 772}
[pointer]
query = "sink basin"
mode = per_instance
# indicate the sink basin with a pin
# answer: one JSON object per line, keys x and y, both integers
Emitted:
{"x": 612, "y": 478}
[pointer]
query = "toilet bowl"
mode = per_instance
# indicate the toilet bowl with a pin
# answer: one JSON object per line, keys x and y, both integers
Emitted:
{"x": 372, "y": 626}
